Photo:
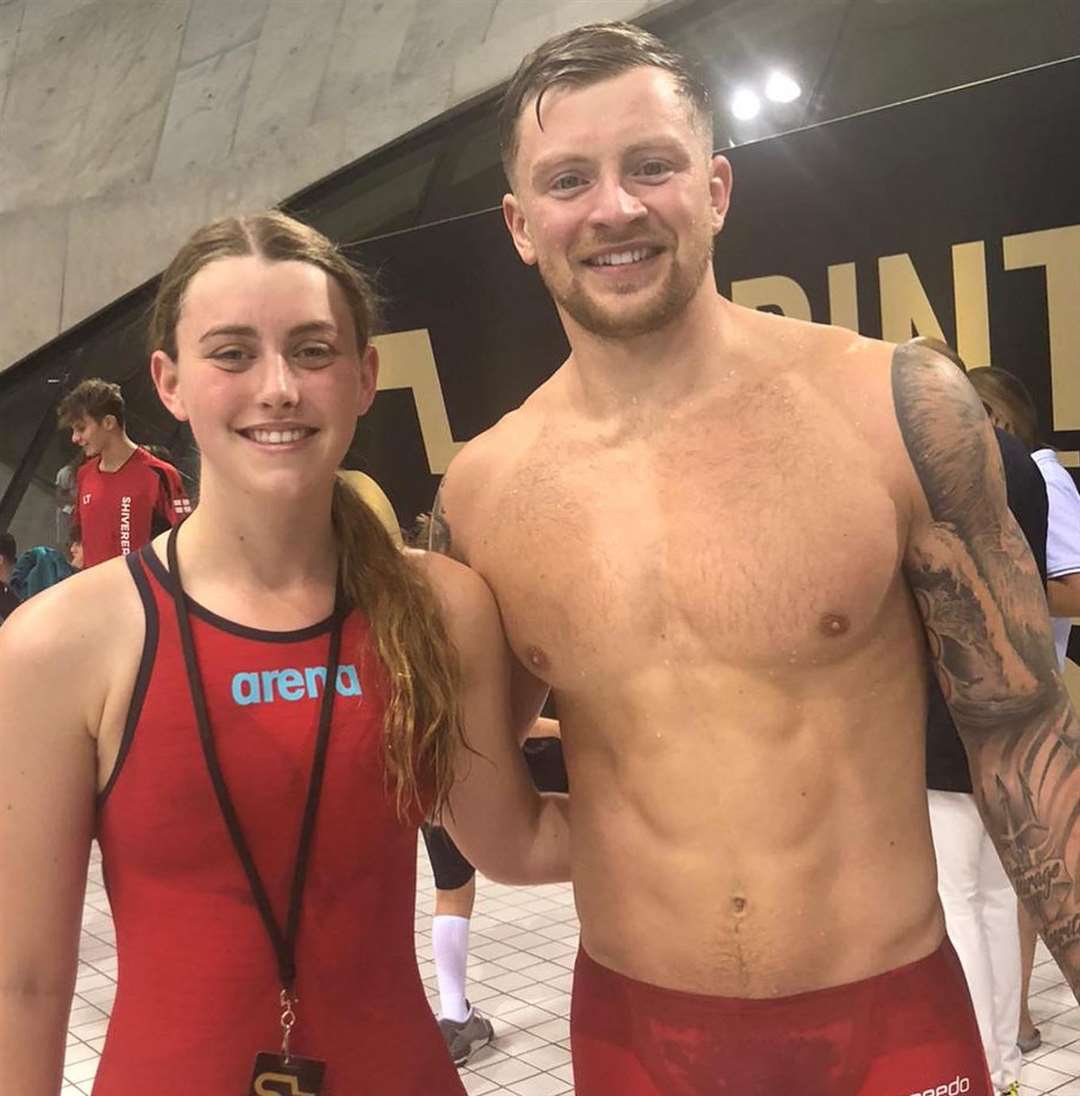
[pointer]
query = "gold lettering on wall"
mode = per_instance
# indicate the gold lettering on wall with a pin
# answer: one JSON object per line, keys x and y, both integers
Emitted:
{"x": 905, "y": 307}
{"x": 972, "y": 303}
{"x": 774, "y": 290}
{"x": 1058, "y": 250}
{"x": 407, "y": 360}
{"x": 843, "y": 296}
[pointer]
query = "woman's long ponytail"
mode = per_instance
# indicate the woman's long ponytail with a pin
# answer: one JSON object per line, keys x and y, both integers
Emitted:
{"x": 423, "y": 712}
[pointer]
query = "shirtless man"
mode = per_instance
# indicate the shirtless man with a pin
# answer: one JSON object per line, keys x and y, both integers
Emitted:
{"x": 739, "y": 651}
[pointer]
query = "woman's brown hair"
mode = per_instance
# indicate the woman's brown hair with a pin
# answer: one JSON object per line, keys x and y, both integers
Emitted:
{"x": 423, "y": 724}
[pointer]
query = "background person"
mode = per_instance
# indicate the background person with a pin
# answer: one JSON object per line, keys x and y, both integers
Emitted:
{"x": 123, "y": 494}
{"x": 9, "y": 552}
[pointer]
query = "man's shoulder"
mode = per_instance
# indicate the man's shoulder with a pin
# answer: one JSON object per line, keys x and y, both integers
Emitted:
{"x": 489, "y": 453}
{"x": 836, "y": 359}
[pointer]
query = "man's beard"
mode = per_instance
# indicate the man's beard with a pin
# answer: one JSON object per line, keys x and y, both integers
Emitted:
{"x": 666, "y": 302}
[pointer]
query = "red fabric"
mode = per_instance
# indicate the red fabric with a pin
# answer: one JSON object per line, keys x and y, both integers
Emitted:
{"x": 118, "y": 512}
{"x": 910, "y": 1032}
{"x": 198, "y": 989}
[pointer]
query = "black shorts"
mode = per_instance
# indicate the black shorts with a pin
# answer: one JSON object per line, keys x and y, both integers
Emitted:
{"x": 544, "y": 757}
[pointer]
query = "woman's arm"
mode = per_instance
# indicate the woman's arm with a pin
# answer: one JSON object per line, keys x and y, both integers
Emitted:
{"x": 509, "y": 830}
{"x": 47, "y": 789}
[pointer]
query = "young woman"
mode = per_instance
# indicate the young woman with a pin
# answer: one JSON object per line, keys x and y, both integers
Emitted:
{"x": 253, "y": 715}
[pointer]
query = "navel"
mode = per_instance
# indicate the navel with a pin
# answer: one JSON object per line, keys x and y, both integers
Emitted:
{"x": 738, "y": 906}
{"x": 834, "y": 624}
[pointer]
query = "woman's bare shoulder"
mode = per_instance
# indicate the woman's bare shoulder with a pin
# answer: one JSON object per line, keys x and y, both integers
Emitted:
{"x": 75, "y": 625}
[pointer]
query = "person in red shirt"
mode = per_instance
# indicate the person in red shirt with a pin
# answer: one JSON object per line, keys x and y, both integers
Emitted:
{"x": 124, "y": 495}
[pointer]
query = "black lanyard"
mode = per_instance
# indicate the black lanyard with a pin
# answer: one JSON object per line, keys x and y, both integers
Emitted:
{"x": 284, "y": 943}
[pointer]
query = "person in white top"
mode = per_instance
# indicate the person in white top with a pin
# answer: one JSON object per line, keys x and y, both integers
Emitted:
{"x": 1010, "y": 407}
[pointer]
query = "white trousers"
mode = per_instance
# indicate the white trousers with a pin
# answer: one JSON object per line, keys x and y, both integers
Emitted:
{"x": 980, "y": 918}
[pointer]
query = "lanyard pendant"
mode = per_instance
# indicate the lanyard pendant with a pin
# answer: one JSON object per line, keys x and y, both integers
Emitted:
{"x": 284, "y": 1074}
{"x": 274, "y": 1076}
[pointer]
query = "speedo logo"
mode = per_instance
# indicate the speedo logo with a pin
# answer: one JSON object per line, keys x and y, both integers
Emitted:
{"x": 954, "y": 1088}
{"x": 268, "y": 686}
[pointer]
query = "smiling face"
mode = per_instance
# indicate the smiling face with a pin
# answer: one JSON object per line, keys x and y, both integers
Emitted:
{"x": 617, "y": 200}
{"x": 269, "y": 374}
{"x": 90, "y": 435}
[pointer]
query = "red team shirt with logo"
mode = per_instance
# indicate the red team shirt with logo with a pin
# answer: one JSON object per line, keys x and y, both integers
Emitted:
{"x": 118, "y": 512}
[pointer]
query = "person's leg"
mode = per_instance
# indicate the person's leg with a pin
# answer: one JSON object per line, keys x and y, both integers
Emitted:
{"x": 463, "y": 1027}
{"x": 1028, "y": 1035}
{"x": 999, "y": 909}
{"x": 450, "y": 947}
{"x": 958, "y": 832}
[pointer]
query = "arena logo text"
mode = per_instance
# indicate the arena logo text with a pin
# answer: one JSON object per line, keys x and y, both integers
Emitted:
{"x": 291, "y": 684}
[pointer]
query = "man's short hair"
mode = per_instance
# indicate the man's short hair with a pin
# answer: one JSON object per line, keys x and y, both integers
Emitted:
{"x": 93, "y": 398}
{"x": 587, "y": 55}
{"x": 8, "y": 548}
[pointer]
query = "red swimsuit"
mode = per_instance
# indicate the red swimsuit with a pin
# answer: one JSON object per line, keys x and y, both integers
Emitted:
{"x": 908, "y": 1032}
{"x": 198, "y": 989}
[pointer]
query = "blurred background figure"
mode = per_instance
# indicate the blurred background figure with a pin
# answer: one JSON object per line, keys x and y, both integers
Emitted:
{"x": 65, "y": 499}
{"x": 8, "y": 554}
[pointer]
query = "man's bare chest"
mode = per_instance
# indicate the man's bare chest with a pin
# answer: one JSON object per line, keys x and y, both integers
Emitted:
{"x": 776, "y": 550}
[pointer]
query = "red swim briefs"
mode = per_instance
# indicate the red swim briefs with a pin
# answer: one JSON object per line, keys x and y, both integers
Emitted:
{"x": 908, "y": 1032}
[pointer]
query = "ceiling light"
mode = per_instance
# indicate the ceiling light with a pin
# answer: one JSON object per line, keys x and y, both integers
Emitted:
{"x": 745, "y": 104}
{"x": 780, "y": 88}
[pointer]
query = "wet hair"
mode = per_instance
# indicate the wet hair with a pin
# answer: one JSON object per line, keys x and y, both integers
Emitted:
{"x": 1007, "y": 397}
{"x": 587, "y": 55}
{"x": 423, "y": 723}
{"x": 8, "y": 548}
{"x": 93, "y": 398}
{"x": 942, "y": 348}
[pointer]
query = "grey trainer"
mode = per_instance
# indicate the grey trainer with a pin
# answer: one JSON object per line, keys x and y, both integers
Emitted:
{"x": 465, "y": 1037}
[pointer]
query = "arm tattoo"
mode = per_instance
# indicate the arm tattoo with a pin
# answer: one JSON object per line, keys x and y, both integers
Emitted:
{"x": 439, "y": 539}
{"x": 985, "y": 614}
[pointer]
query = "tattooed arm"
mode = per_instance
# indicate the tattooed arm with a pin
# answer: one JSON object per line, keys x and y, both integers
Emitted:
{"x": 439, "y": 537}
{"x": 985, "y": 615}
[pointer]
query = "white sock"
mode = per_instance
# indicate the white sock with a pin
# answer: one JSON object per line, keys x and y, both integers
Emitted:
{"x": 450, "y": 945}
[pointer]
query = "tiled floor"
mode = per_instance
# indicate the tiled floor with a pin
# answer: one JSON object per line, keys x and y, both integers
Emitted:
{"x": 523, "y": 945}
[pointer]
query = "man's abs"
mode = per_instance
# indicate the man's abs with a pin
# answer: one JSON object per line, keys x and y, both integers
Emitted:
{"x": 753, "y": 852}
